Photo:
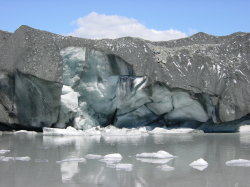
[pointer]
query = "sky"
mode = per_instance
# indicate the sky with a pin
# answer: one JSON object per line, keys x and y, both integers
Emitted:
{"x": 153, "y": 20}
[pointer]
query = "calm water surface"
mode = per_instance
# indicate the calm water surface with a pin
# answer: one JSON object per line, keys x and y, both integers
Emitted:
{"x": 42, "y": 170}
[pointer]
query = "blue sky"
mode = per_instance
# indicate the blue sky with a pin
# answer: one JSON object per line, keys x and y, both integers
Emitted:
{"x": 183, "y": 17}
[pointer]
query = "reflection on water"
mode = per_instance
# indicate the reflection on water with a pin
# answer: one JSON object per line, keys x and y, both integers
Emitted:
{"x": 68, "y": 170}
{"x": 163, "y": 138}
{"x": 245, "y": 139}
{"x": 45, "y": 151}
{"x": 123, "y": 139}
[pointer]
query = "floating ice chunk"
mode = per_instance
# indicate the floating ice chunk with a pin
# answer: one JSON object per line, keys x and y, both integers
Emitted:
{"x": 6, "y": 159}
{"x": 172, "y": 131}
{"x": 93, "y": 156}
{"x": 3, "y": 151}
{"x": 244, "y": 129}
{"x": 165, "y": 167}
{"x": 159, "y": 154}
{"x": 199, "y": 164}
{"x": 238, "y": 162}
{"x": 81, "y": 160}
{"x": 69, "y": 131}
{"x": 24, "y": 158}
{"x": 123, "y": 166}
{"x": 115, "y": 156}
{"x": 112, "y": 158}
{"x": 24, "y": 132}
{"x": 154, "y": 160}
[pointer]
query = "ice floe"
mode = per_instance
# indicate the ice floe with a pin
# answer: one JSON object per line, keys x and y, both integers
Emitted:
{"x": 24, "y": 158}
{"x": 238, "y": 162}
{"x": 159, "y": 130}
{"x": 109, "y": 131}
{"x": 111, "y": 158}
{"x": 81, "y": 160}
{"x": 4, "y": 151}
{"x": 159, "y": 154}
{"x": 154, "y": 160}
{"x": 165, "y": 167}
{"x": 93, "y": 156}
{"x": 199, "y": 164}
{"x": 24, "y": 132}
{"x": 7, "y": 159}
{"x": 112, "y": 131}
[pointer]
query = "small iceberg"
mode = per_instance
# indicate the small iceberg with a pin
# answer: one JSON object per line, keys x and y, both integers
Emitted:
{"x": 238, "y": 162}
{"x": 154, "y": 160}
{"x": 81, "y": 160}
{"x": 199, "y": 164}
{"x": 4, "y": 151}
{"x": 93, "y": 156}
{"x": 165, "y": 167}
{"x": 159, "y": 154}
{"x": 112, "y": 158}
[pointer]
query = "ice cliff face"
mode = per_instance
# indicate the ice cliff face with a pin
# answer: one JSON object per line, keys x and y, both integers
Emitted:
{"x": 56, "y": 81}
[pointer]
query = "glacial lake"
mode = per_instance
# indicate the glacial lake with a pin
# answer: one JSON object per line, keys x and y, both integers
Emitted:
{"x": 44, "y": 170}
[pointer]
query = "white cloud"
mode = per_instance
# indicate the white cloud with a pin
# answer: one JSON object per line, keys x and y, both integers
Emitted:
{"x": 97, "y": 26}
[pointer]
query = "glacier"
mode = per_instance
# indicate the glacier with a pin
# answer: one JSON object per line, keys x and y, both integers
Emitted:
{"x": 51, "y": 81}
